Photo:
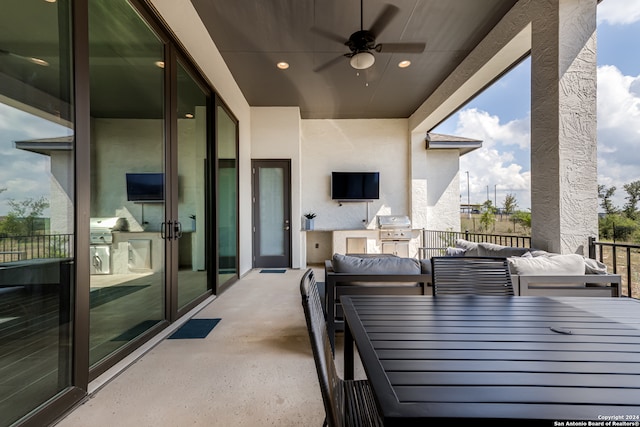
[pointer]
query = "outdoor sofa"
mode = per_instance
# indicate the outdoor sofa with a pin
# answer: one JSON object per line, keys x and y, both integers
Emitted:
{"x": 367, "y": 275}
{"x": 538, "y": 272}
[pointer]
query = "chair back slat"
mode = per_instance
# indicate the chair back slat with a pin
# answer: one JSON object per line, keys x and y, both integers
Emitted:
{"x": 471, "y": 275}
{"x": 330, "y": 382}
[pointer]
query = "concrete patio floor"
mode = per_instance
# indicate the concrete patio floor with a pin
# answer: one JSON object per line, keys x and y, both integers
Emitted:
{"x": 255, "y": 368}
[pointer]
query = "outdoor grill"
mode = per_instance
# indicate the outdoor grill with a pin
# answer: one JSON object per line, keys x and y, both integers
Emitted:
{"x": 100, "y": 229}
{"x": 394, "y": 227}
{"x": 101, "y": 238}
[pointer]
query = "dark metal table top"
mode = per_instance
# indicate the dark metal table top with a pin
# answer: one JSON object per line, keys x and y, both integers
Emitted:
{"x": 556, "y": 360}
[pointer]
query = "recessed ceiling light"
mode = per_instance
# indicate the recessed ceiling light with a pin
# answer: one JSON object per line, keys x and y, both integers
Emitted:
{"x": 50, "y": 1}
{"x": 404, "y": 64}
{"x": 39, "y": 61}
{"x": 189, "y": 116}
{"x": 282, "y": 65}
{"x": 159, "y": 64}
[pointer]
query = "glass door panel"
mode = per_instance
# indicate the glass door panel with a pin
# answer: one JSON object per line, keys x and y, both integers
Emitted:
{"x": 272, "y": 213}
{"x": 192, "y": 191}
{"x": 37, "y": 205}
{"x": 227, "y": 146}
{"x": 127, "y": 177}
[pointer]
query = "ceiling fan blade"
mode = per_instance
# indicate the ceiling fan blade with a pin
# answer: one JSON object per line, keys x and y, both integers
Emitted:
{"x": 36, "y": 61}
{"x": 329, "y": 35}
{"x": 331, "y": 63}
{"x": 385, "y": 17}
{"x": 401, "y": 47}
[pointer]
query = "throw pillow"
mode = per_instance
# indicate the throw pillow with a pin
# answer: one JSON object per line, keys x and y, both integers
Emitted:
{"x": 471, "y": 248}
{"x": 383, "y": 265}
{"x": 562, "y": 265}
{"x": 455, "y": 252}
{"x": 493, "y": 250}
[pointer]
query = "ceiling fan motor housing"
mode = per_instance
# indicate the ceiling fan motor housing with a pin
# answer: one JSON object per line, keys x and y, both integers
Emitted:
{"x": 361, "y": 41}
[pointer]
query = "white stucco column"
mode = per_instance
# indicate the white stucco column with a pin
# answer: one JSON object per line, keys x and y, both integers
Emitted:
{"x": 563, "y": 125}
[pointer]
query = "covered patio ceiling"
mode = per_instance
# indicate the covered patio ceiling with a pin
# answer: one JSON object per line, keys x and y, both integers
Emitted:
{"x": 309, "y": 35}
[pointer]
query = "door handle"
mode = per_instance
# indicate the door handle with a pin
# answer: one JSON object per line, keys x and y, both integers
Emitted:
{"x": 166, "y": 230}
{"x": 177, "y": 229}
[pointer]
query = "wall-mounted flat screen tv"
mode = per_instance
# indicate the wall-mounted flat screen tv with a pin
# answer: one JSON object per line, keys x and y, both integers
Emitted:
{"x": 145, "y": 187}
{"x": 355, "y": 185}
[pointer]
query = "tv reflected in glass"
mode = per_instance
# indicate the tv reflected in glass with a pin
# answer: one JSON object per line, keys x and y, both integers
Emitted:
{"x": 145, "y": 187}
{"x": 355, "y": 186}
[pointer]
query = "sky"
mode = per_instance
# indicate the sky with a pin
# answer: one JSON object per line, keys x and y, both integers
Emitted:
{"x": 500, "y": 117}
{"x": 24, "y": 175}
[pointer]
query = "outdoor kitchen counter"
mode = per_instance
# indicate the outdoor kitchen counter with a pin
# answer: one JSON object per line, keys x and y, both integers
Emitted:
{"x": 330, "y": 241}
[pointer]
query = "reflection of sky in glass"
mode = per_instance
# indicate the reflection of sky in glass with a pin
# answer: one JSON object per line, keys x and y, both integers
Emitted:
{"x": 24, "y": 174}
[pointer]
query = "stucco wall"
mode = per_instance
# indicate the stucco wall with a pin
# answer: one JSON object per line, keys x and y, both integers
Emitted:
{"x": 435, "y": 183}
{"x": 354, "y": 146}
{"x": 276, "y": 133}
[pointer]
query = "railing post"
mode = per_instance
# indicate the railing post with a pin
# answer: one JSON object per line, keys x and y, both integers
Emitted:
{"x": 592, "y": 247}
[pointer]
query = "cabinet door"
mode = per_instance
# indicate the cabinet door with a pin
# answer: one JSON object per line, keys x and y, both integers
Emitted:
{"x": 402, "y": 249}
{"x": 389, "y": 248}
{"x": 356, "y": 245}
{"x": 139, "y": 255}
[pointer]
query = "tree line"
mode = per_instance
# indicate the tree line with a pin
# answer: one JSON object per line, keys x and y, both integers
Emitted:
{"x": 620, "y": 223}
{"x": 488, "y": 214}
{"x": 24, "y": 217}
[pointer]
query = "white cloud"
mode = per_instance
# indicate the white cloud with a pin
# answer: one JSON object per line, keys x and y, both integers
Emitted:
{"x": 494, "y": 168}
{"x": 500, "y": 160}
{"x": 619, "y": 12}
{"x": 618, "y": 129}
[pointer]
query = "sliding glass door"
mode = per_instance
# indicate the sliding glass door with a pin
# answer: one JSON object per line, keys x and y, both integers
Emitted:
{"x": 128, "y": 179}
{"x": 193, "y": 167}
{"x": 37, "y": 187}
{"x": 227, "y": 206}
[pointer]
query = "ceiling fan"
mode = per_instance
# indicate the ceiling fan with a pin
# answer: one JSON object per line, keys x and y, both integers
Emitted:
{"x": 363, "y": 42}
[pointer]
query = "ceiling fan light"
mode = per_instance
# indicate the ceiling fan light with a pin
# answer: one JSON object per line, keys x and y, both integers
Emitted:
{"x": 362, "y": 60}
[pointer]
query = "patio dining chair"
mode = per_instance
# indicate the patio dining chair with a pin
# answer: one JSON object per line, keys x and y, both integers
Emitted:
{"x": 346, "y": 402}
{"x": 453, "y": 275}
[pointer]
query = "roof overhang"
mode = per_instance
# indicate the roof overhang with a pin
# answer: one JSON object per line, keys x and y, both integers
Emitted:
{"x": 437, "y": 141}
{"x": 46, "y": 146}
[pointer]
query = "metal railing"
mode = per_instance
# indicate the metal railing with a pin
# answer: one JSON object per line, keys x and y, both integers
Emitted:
{"x": 622, "y": 259}
{"x": 435, "y": 243}
{"x": 19, "y": 248}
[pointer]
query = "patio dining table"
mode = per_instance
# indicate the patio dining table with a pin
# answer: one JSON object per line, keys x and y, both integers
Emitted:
{"x": 503, "y": 360}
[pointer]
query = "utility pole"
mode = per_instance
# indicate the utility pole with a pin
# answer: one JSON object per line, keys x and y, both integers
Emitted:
{"x": 468, "y": 198}
{"x": 495, "y": 195}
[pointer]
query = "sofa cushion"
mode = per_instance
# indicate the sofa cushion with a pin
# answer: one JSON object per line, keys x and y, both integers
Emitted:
{"x": 562, "y": 265}
{"x": 383, "y": 265}
{"x": 493, "y": 250}
{"x": 471, "y": 248}
{"x": 593, "y": 266}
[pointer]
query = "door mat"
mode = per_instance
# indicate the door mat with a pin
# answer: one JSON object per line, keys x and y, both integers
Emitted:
{"x": 273, "y": 271}
{"x": 194, "y": 328}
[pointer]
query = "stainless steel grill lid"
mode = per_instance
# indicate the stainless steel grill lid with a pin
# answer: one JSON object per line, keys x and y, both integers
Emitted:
{"x": 100, "y": 228}
{"x": 393, "y": 222}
